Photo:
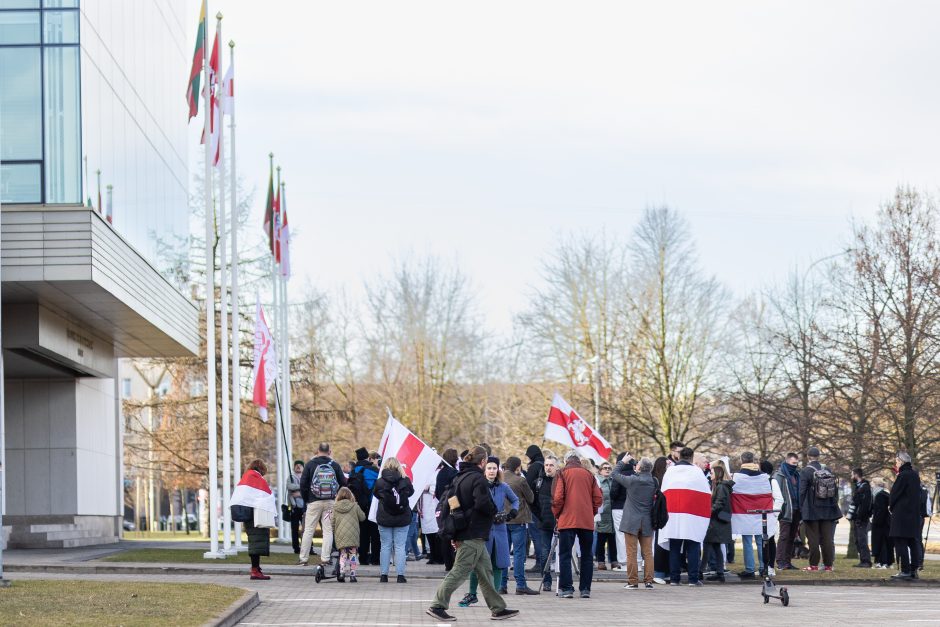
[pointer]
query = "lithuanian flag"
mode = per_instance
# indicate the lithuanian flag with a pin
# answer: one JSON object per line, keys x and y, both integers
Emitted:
{"x": 195, "y": 73}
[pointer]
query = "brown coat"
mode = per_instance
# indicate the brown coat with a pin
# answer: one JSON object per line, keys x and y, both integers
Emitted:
{"x": 576, "y": 497}
{"x": 521, "y": 487}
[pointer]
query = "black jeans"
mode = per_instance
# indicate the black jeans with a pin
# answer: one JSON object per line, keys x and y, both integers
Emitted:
{"x": 908, "y": 554}
{"x": 881, "y": 545}
{"x": 711, "y": 554}
{"x": 861, "y": 541}
{"x": 544, "y": 547}
{"x": 566, "y": 538}
{"x": 370, "y": 545}
{"x": 610, "y": 541}
{"x": 788, "y": 532}
{"x": 296, "y": 517}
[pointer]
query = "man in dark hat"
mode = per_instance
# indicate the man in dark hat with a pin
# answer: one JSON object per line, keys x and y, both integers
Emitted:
{"x": 361, "y": 480}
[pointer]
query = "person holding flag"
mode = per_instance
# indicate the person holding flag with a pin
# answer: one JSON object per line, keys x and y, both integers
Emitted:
{"x": 689, "y": 503}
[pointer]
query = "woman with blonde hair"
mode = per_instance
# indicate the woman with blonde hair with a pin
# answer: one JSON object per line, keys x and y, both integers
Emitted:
{"x": 393, "y": 489}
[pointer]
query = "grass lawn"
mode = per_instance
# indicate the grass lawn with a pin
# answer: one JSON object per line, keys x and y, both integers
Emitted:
{"x": 112, "y": 603}
{"x": 194, "y": 556}
{"x": 842, "y": 569}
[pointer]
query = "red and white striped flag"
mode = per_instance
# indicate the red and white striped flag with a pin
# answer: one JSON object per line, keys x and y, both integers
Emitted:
{"x": 254, "y": 491}
{"x": 264, "y": 368}
{"x": 283, "y": 238}
{"x": 689, "y": 502}
{"x": 751, "y": 492}
{"x": 418, "y": 460}
{"x": 565, "y": 426}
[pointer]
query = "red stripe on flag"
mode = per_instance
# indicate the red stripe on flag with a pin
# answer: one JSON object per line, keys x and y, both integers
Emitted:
{"x": 683, "y": 501}
{"x": 409, "y": 452}
{"x": 253, "y": 480}
{"x": 558, "y": 417}
{"x": 741, "y": 503}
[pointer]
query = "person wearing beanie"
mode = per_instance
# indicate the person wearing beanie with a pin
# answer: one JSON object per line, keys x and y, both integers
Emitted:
{"x": 819, "y": 512}
{"x": 362, "y": 481}
{"x": 296, "y": 507}
{"x": 534, "y": 470}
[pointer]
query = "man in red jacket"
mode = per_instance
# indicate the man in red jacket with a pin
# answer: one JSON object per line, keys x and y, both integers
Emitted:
{"x": 576, "y": 498}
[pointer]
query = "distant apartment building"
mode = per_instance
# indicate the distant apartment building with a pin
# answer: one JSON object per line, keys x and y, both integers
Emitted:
{"x": 91, "y": 96}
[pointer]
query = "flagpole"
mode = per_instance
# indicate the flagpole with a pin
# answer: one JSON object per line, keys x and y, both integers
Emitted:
{"x": 286, "y": 341}
{"x": 212, "y": 425}
{"x": 284, "y": 528}
{"x": 236, "y": 319}
{"x": 223, "y": 315}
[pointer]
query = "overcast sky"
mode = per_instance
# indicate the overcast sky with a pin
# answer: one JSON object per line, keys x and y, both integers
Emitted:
{"x": 483, "y": 131}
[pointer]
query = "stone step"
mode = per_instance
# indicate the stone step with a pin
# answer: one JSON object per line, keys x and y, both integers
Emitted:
{"x": 53, "y": 528}
{"x": 89, "y": 541}
{"x": 71, "y": 534}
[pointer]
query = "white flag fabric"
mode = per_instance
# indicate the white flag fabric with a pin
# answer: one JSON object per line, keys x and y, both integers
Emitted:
{"x": 264, "y": 366}
{"x": 689, "y": 502}
{"x": 566, "y": 427}
{"x": 253, "y": 491}
{"x": 418, "y": 460}
{"x": 227, "y": 98}
{"x": 283, "y": 238}
{"x": 751, "y": 492}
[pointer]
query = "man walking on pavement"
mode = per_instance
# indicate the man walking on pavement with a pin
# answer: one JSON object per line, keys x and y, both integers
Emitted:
{"x": 469, "y": 497}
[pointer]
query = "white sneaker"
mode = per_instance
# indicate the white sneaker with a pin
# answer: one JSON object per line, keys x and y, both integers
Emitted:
{"x": 618, "y": 567}
{"x": 661, "y": 582}
{"x": 771, "y": 572}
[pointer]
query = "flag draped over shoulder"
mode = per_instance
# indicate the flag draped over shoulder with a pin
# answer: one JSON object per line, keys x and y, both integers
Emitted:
{"x": 565, "y": 426}
{"x": 689, "y": 502}
{"x": 254, "y": 491}
{"x": 751, "y": 492}
{"x": 418, "y": 460}
{"x": 264, "y": 367}
{"x": 195, "y": 71}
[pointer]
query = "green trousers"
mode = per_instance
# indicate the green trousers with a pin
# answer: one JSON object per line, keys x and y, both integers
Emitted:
{"x": 472, "y": 556}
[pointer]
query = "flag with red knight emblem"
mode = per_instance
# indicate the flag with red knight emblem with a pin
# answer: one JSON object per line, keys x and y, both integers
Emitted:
{"x": 565, "y": 426}
{"x": 418, "y": 460}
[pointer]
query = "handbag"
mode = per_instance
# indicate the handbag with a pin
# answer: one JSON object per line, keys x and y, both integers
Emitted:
{"x": 265, "y": 519}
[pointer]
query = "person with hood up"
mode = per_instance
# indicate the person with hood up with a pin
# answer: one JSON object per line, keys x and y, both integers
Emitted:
{"x": 719, "y": 526}
{"x": 497, "y": 545}
{"x": 534, "y": 470}
{"x": 393, "y": 515}
{"x": 347, "y": 516}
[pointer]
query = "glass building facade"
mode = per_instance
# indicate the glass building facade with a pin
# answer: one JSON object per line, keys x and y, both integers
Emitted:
{"x": 92, "y": 95}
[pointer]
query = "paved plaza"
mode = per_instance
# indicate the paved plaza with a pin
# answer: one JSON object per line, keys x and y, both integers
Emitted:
{"x": 298, "y": 601}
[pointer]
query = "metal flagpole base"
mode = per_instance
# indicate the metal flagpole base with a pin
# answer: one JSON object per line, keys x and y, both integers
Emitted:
{"x": 209, "y": 555}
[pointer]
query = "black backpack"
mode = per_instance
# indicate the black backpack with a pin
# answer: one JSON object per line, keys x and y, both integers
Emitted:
{"x": 449, "y": 522}
{"x": 392, "y": 500}
{"x": 659, "y": 513}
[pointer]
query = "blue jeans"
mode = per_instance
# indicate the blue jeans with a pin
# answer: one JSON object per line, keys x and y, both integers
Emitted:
{"x": 518, "y": 535}
{"x": 412, "y": 541}
{"x": 545, "y": 543}
{"x": 748, "y": 542}
{"x": 535, "y": 534}
{"x": 693, "y": 554}
{"x": 566, "y": 538}
{"x": 397, "y": 536}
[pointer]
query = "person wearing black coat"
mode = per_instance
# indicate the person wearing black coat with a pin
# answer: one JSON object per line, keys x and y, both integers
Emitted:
{"x": 818, "y": 514}
{"x": 445, "y": 476}
{"x": 905, "y": 517}
{"x": 881, "y": 546}
{"x": 546, "y": 524}
{"x": 719, "y": 526}
{"x": 532, "y": 473}
{"x": 393, "y": 489}
{"x": 861, "y": 506}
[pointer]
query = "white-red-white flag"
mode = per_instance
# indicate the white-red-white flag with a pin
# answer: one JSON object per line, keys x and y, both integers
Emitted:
{"x": 227, "y": 97}
{"x": 689, "y": 502}
{"x": 264, "y": 367}
{"x": 751, "y": 492}
{"x": 565, "y": 426}
{"x": 418, "y": 460}
{"x": 254, "y": 491}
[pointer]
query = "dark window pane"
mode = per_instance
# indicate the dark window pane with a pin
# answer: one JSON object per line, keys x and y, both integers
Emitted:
{"x": 21, "y": 103}
{"x": 19, "y": 183}
{"x": 19, "y": 27}
{"x": 63, "y": 126}
{"x": 61, "y": 27}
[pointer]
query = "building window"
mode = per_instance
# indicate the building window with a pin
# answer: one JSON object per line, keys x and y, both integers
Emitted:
{"x": 40, "y": 95}
{"x": 125, "y": 388}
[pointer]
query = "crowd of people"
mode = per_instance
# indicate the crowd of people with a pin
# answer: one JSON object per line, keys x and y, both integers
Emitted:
{"x": 658, "y": 519}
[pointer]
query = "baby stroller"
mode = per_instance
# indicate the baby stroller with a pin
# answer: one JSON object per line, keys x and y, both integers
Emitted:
{"x": 320, "y": 573}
